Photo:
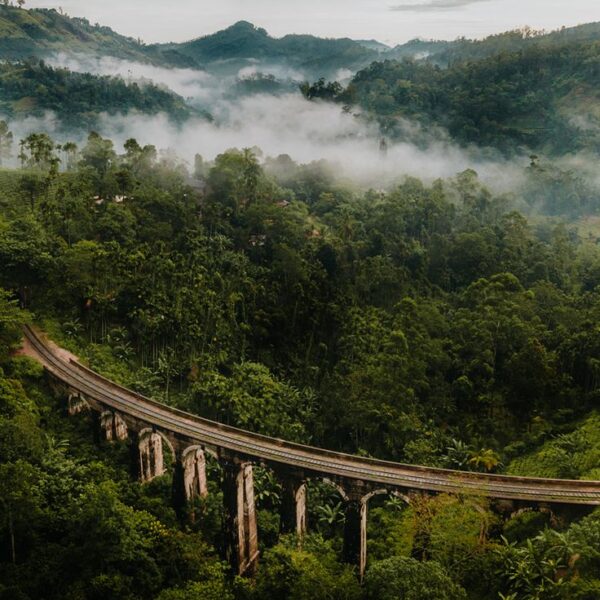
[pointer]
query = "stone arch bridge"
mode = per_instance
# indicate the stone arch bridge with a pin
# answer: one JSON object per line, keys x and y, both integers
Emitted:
{"x": 152, "y": 426}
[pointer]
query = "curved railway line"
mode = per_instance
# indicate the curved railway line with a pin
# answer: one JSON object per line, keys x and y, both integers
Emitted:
{"x": 309, "y": 460}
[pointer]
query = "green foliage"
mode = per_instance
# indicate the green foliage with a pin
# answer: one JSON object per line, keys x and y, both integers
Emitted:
{"x": 213, "y": 587}
{"x": 12, "y": 320}
{"x": 408, "y": 579}
{"x": 310, "y": 572}
{"x": 33, "y": 88}
{"x": 253, "y": 399}
{"x": 429, "y": 323}
{"x": 573, "y": 455}
{"x": 507, "y": 99}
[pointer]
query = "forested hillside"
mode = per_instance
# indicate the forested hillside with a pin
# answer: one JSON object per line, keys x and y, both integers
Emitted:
{"x": 41, "y": 32}
{"x": 77, "y": 99}
{"x": 244, "y": 41}
{"x": 541, "y": 98}
{"x": 446, "y": 53}
{"x": 431, "y": 324}
{"x": 27, "y": 33}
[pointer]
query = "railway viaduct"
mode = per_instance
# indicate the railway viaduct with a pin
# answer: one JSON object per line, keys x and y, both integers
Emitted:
{"x": 152, "y": 426}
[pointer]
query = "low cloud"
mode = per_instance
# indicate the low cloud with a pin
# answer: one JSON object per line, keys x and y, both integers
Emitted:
{"x": 433, "y": 5}
{"x": 306, "y": 131}
{"x": 283, "y": 124}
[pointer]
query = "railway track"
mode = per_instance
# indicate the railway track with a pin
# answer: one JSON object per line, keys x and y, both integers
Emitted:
{"x": 325, "y": 463}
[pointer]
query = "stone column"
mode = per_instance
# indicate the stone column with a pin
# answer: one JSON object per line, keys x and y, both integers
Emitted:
{"x": 156, "y": 452}
{"x": 355, "y": 533}
{"x": 240, "y": 530}
{"x": 151, "y": 456}
{"x": 189, "y": 478}
{"x": 107, "y": 425}
{"x": 113, "y": 426}
{"x": 293, "y": 505}
{"x": 120, "y": 427}
{"x": 194, "y": 473}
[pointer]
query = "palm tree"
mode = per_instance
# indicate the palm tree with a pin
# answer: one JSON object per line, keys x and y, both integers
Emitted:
{"x": 485, "y": 460}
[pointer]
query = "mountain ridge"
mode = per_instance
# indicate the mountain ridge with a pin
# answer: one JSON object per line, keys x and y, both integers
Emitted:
{"x": 26, "y": 33}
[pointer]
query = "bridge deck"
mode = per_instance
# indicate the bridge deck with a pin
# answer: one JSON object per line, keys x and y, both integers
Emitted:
{"x": 311, "y": 460}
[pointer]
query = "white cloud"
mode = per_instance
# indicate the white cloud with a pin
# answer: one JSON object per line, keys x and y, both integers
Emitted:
{"x": 156, "y": 20}
{"x": 434, "y": 5}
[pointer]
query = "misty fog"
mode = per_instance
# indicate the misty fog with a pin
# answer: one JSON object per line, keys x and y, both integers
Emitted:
{"x": 283, "y": 124}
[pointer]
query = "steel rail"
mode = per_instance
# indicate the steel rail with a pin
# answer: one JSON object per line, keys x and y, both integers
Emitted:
{"x": 311, "y": 460}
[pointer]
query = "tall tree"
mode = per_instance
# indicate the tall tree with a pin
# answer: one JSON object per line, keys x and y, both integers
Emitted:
{"x": 6, "y": 141}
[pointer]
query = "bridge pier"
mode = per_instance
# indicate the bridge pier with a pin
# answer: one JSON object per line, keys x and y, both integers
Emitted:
{"x": 293, "y": 505}
{"x": 151, "y": 456}
{"x": 113, "y": 426}
{"x": 240, "y": 528}
{"x": 189, "y": 478}
{"x": 194, "y": 473}
{"x": 355, "y": 532}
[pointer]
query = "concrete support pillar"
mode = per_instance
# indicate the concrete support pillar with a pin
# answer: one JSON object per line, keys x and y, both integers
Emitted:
{"x": 107, "y": 425}
{"x": 189, "y": 479}
{"x": 120, "y": 427}
{"x": 194, "y": 474}
{"x": 355, "y": 533}
{"x": 293, "y": 506}
{"x": 240, "y": 530}
{"x": 113, "y": 426}
{"x": 151, "y": 456}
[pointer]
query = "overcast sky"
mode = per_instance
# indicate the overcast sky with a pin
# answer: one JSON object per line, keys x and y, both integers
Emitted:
{"x": 390, "y": 21}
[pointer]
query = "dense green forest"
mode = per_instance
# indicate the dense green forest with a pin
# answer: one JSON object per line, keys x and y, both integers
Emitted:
{"x": 445, "y": 53}
{"x": 77, "y": 99}
{"x": 437, "y": 323}
{"x": 542, "y": 98}
{"x": 431, "y": 323}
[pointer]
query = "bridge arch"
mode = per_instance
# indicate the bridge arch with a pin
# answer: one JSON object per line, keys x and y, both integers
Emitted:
{"x": 206, "y": 449}
{"x": 149, "y": 430}
{"x": 383, "y": 492}
{"x": 356, "y": 522}
{"x": 334, "y": 484}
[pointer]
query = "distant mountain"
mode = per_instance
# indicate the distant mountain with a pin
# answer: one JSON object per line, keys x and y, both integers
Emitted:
{"x": 244, "y": 44}
{"x": 374, "y": 45}
{"x": 40, "y": 32}
{"x": 445, "y": 53}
